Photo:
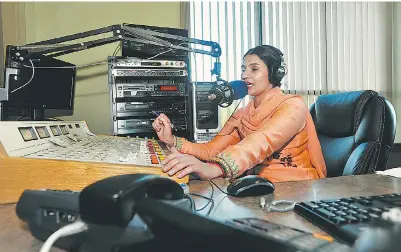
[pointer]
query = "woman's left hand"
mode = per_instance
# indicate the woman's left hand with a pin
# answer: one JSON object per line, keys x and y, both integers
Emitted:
{"x": 184, "y": 164}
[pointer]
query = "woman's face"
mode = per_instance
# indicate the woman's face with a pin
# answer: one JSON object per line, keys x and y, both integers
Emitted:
{"x": 256, "y": 75}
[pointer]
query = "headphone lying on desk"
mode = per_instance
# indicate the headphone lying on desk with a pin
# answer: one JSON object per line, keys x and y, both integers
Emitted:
{"x": 277, "y": 205}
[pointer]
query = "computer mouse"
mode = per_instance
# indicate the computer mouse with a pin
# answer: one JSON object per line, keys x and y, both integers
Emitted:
{"x": 112, "y": 201}
{"x": 251, "y": 185}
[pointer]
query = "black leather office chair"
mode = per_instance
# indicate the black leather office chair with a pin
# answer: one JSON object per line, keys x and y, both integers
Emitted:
{"x": 356, "y": 131}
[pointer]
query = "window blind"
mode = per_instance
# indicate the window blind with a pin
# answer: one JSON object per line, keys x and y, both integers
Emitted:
{"x": 328, "y": 47}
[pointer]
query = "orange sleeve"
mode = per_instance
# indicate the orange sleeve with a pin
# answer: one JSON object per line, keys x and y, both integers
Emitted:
{"x": 228, "y": 136}
{"x": 286, "y": 122}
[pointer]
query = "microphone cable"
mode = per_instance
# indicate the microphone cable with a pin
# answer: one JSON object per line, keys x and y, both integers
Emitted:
{"x": 230, "y": 132}
{"x": 240, "y": 101}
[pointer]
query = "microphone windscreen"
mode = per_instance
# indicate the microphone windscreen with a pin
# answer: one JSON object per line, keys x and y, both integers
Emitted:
{"x": 239, "y": 88}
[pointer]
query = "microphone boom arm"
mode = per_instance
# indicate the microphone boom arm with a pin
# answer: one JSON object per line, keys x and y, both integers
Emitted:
{"x": 120, "y": 32}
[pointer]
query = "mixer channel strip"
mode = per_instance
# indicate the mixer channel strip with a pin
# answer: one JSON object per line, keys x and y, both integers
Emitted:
{"x": 156, "y": 153}
{"x": 108, "y": 150}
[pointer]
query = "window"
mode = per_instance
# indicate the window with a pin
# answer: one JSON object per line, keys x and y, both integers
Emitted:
{"x": 328, "y": 46}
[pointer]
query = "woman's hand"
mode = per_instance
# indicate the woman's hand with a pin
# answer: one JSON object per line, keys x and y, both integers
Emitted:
{"x": 184, "y": 164}
{"x": 162, "y": 125}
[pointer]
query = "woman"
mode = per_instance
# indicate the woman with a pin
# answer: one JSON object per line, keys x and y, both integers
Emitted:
{"x": 273, "y": 136}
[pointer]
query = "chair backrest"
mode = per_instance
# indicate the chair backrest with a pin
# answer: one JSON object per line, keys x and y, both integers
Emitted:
{"x": 356, "y": 131}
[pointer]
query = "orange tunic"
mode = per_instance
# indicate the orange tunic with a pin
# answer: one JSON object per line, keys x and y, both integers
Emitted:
{"x": 252, "y": 135}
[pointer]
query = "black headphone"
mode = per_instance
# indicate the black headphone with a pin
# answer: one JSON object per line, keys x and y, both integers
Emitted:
{"x": 279, "y": 70}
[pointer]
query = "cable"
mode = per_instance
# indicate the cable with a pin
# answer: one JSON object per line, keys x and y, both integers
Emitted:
{"x": 154, "y": 56}
{"x": 33, "y": 73}
{"x": 117, "y": 49}
{"x": 221, "y": 190}
{"x": 219, "y": 202}
{"x": 210, "y": 200}
{"x": 79, "y": 66}
{"x": 191, "y": 200}
{"x": 230, "y": 132}
{"x": 211, "y": 208}
{"x": 74, "y": 228}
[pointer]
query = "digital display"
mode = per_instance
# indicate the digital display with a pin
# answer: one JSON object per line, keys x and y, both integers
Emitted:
{"x": 42, "y": 132}
{"x": 64, "y": 129}
{"x": 169, "y": 88}
{"x": 55, "y": 130}
{"x": 136, "y": 106}
{"x": 149, "y": 63}
{"x": 28, "y": 133}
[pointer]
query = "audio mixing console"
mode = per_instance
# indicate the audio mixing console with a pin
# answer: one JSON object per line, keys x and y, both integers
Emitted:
{"x": 67, "y": 155}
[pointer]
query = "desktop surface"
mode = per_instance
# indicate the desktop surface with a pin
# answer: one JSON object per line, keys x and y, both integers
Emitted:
{"x": 15, "y": 236}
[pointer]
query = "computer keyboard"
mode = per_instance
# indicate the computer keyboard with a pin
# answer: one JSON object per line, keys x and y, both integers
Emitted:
{"x": 346, "y": 218}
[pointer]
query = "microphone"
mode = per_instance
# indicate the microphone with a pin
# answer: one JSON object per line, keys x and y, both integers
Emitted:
{"x": 224, "y": 93}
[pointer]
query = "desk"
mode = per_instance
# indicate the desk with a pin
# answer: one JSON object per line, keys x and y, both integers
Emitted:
{"x": 14, "y": 235}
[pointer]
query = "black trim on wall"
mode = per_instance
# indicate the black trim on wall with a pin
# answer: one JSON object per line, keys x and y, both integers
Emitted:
{"x": 396, "y": 147}
{"x": 395, "y": 157}
{"x": 1, "y": 50}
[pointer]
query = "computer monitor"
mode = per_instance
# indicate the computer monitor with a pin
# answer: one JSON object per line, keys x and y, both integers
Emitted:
{"x": 44, "y": 85}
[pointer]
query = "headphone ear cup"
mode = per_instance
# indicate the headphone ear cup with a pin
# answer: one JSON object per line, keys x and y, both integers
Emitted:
{"x": 276, "y": 74}
{"x": 272, "y": 75}
{"x": 280, "y": 73}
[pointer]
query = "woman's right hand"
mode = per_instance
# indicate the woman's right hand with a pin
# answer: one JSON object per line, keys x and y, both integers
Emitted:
{"x": 162, "y": 125}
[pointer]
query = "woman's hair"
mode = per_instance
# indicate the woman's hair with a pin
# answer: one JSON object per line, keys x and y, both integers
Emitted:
{"x": 273, "y": 58}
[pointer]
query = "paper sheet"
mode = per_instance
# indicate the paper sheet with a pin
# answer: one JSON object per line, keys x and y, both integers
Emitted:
{"x": 394, "y": 172}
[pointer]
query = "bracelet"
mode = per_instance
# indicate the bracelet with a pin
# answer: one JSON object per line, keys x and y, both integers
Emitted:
{"x": 277, "y": 205}
{"x": 223, "y": 167}
{"x": 218, "y": 165}
{"x": 177, "y": 142}
{"x": 174, "y": 140}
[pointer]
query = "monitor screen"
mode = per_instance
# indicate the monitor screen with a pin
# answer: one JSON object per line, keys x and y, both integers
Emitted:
{"x": 49, "y": 84}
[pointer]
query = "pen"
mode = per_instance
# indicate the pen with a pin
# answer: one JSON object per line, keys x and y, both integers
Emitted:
{"x": 172, "y": 125}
